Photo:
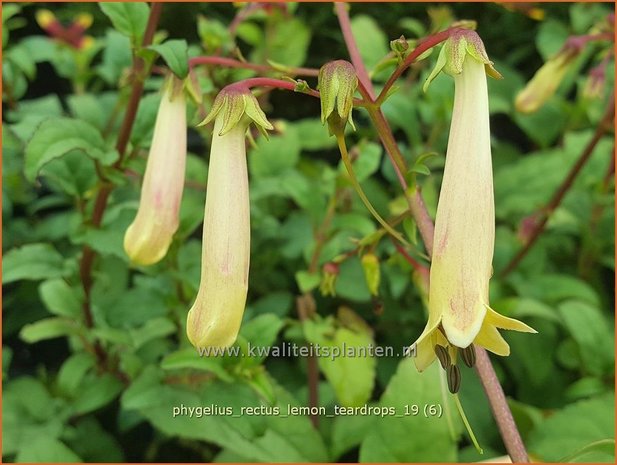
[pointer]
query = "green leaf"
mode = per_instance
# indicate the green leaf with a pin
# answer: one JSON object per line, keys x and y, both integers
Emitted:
{"x": 313, "y": 135}
{"x": 155, "y": 328}
{"x": 60, "y": 298}
{"x": 274, "y": 156}
{"x": 47, "y": 328}
{"x": 592, "y": 333}
{"x": 553, "y": 288}
{"x": 45, "y": 449}
{"x": 175, "y": 54}
{"x": 28, "y": 413}
{"x": 32, "y": 262}
{"x": 348, "y": 432}
{"x": 135, "y": 307}
{"x": 262, "y": 330}
{"x": 263, "y": 438}
{"x": 307, "y": 281}
{"x": 350, "y": 283}
{"x": 551, "y": 37}
{"x": 190, "y": 359}
{"x": 371, "y": 40}
{"x": 410, "y": 438}
{"x": 73, "y": 371}
{"x": 347, "y": 362}
{"x": 59, "y": 136}
{"x": 604, "y": 448}
{"x": 286, "y": 43}
{"x": 574, "y": 427}
{"x": 91, "y": 442}
{"x": 96, "y": 392}
{"x": 128, "y": 18}
{"x": 367, "y": 161}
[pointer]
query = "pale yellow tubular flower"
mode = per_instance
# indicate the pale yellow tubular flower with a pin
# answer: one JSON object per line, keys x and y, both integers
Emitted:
{"x": 465, "y": 221}
{"x": 214, "y": 319}
{"x": 147, "y": 239}
{"x": 544, "y": 83}
{"x": 461, "y": 267}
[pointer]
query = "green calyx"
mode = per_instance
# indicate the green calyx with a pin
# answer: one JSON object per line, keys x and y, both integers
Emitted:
{"x": 234, "y": 103}
{"x": 337, "y": 83}
{"x": 460, "y": 44}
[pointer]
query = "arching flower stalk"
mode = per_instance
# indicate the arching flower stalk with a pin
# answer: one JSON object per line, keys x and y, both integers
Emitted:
{"x": 147, "y": 239}
{"x": 459, "y": 312}
{"x": 215, "y": 317}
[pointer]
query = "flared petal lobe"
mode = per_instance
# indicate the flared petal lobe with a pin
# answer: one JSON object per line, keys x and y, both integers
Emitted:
{"x": 465, "y": 220}
{"x": 214, "y": 320}
{"x": 147, "y": 239}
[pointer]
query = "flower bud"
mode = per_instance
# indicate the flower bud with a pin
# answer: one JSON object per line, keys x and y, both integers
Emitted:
{"x": 372, "y": 274}
{"x": 461, "y": 44}
{"x": 148, "y": 237}
{"x": 330, "y": 272}
{"x": 72, "y": 35}
{"x": 546, "y": 81}
{"x": 337, "y": 83}
{"x": 595, "y": 83}
{"x": 459, "y": 312}
{"x": 215, "y": 317}
{"x": 233, "y": 104}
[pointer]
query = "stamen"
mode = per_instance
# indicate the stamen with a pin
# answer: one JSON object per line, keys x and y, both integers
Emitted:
{"x": 443, "y": 356}
{"x": 469, "y": 355}
{"x": 453, "y": 375}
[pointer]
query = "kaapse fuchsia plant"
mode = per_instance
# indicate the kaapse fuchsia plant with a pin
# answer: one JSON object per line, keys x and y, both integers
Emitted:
{"x": 459, "y": 311}
{"x": 215, "y": 317}
{"x": 148, "y": 237}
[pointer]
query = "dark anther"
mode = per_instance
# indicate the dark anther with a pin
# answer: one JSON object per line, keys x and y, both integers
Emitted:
{"x": 454, "y": 378}
{"x": 469, "y": 355}
{"x": 443, "y": 356}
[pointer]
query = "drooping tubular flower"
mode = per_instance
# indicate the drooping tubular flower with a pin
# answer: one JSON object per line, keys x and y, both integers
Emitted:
{"x": 147, "y": 239}
{"x": 459, "y": 312}
{"x": 215, "y": 317}
{"x": 545, "y": 82}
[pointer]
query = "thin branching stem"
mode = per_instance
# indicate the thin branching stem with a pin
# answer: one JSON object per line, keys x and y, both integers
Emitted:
{"x": 100, "y": 202}
{"x": 565, "y": 186}
{"x": 485, "y": 370}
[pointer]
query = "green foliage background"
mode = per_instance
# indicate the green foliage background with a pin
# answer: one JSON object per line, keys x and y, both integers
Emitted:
{"x": 61, "y": 113}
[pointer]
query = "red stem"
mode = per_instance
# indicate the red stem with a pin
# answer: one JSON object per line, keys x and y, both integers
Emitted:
{"x": 352, "y": 47}
{"x": 499, "y": 406}
{"x": 232, "y": 63}
{"x": 269, "y": 82}
{"x": 494, "y": 392}
{"x": 100, "y": 202}
{"x": 422, "y": 47}
{"x": 558, "y": 196}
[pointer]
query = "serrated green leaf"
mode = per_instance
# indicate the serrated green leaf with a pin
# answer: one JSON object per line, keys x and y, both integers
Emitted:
{"x": 175, "y": 54}
{"x": 388, "y": 439}
{"x": 155, "y": 328}
{"x": 347, "y": 362}
{"x": 307, "y": 281}
{"x": 73, "y": 371}
{"x": 96, "y": 392}
{"x": 572, "y": 428}
{"x": 60, "y": 299}
{"x": 372, "y": 41}
{"x": 32, "y": 262}
{"x": 128, "y": 18}
{"x": 592, "y": 333}
{"x": 48, "y": 328}
{"x": 45, "y": 449}
{"x": 59, "y": 136}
